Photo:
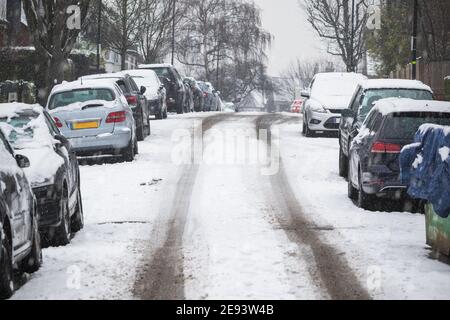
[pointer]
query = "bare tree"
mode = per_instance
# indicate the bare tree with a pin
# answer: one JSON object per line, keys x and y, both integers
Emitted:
{"x": 121, "y": 27}
{"x": 223, "y": 42}
{"x": 51, "y": 36}
{"x": 157, "y": 19}
{"x": 435, "y": 29}
{"x": 341, "y": 25}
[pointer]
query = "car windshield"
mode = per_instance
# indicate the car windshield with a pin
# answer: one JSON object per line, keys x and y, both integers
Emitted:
{"x": 62, "y": 99}
{"x": 335, "y": 87}
{"x": 403, "y": 126}
{"x": 373, "y": 95}
{"x": 19, "y": 129}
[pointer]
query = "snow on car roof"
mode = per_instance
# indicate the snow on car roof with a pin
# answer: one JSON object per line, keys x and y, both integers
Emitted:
{"x": 335, "y": 75}
{"x": 10, "y": 110}
{"x": 80, "y": 84}
{"x": 137, "y": 72}
{"x": 394, "y": 83}
{"x": 391, "y": 105}
{"x": 157, "y": 65}
{"x": 101, "y": 76}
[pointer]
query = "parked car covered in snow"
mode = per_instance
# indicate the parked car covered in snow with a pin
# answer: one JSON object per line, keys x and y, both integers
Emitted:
{"x": 95, "y": 117}
{"x": 210, "y": 96}
{"x": 53, "y": 171}
{"x": 135, "y": 96}
{"x": 197, "y": 93}
{"x": 175, "y": 89}
{"x": 374, "y": 167}
{"x": 328, "y": 95}
{"x": 155, "y": 92}
{"x": 20, "y": 247}
{"x": 366, "y": 95}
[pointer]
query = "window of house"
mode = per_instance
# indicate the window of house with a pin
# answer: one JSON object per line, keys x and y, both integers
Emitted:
{"x": 3, "y": 10}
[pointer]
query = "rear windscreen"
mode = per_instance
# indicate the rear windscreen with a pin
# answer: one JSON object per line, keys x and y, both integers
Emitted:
{"x": 63, "y": 99}
{"x": 405, "y": 125}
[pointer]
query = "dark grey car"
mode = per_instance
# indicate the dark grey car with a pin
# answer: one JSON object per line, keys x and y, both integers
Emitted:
{"x": 20, "y": 240}
{"x": 374, "y": 168}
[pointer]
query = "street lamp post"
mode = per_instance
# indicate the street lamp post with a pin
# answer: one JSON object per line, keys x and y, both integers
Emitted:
{"x": 352, "y": 50}
{"x": 174, "y": 12}
{"x": 414, "y": 40}
{"x": 99, "y": 34}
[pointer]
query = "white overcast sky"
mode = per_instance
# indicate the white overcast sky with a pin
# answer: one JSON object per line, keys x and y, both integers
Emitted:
{"x": 294, "y": 37}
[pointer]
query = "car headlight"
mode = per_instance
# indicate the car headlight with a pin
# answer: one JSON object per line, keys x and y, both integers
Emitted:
{"x": 318, "y": 108}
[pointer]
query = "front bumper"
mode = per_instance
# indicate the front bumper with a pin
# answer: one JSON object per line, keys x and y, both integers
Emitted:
{"x": 48, "y": 206}
{"x": 111, "y": 143}
{"x": 321, "y": 121}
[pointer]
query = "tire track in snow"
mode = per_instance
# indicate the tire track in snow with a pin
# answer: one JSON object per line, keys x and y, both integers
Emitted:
{"x": 330, "y": 270}
{"x": 162, "y": 277}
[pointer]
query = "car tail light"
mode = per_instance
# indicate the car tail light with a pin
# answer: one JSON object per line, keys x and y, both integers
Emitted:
{"x": 58, "y": 122}
{"x": 382, "y": 147}
{"x": 116, "y": 117}
{"x": 132, "y": 100}
{"x": 205, "y": 95}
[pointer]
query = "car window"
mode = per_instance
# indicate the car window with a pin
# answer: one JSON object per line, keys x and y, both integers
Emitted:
{"x": 51, "y": 124}
{"x": 134, "y": 86}
{"x": 123, "y": 86}
{"x": 405, "y": 125}
{"x": 65, "y": 98}
{"x": 4, "y": 144}
{"x": 355, "y": 104}
{"x": 371, "y": 96}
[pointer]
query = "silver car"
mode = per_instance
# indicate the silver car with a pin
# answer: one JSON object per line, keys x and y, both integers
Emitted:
{"x": 95, "y": 117}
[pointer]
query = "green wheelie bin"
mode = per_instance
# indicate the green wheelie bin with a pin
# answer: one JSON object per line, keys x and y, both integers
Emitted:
{"x": 438, "y": 231}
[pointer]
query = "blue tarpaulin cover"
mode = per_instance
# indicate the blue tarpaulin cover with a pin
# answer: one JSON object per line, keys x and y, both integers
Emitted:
{"x": 425, "y": 167}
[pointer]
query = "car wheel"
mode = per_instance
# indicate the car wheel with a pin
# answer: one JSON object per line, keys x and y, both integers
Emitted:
{"x": 6, "y": 267}
{"x": 364, "y": 201}
{"x": 77, "y": 222}
{"x": 308, "y": 132}
{"x": 160, "y": 114}
{"x": 180, "y": 108}
{"x": 34, "y": 261}
{"x": 343, "y": 164}
{"x": 304, "y": 126}
{"x": 129, "y": 152}
{"x": 351, "y": 190}
{"x": 61, "y": 235}
{"x": 140, "y": 129}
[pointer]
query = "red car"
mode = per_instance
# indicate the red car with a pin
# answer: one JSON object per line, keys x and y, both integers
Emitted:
{"x": 296, "y": 106}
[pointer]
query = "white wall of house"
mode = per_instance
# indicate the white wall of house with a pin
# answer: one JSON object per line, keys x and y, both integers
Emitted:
{"x": 113, "y": 61}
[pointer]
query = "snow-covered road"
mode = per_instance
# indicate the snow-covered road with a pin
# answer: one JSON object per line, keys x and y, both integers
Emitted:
{"x": 231, "y": 227}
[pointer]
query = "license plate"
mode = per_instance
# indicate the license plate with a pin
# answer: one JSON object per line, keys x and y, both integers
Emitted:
{"x": 85, "y": 125}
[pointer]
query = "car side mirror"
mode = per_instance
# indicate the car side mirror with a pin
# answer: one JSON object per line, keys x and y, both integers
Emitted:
{"x": 347, "y": 113}
{"x": 22, "y": 161}
{"x": 143, "y": 89}
{"x": 62, "y": 141}
{"x": 305, "y": 94}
